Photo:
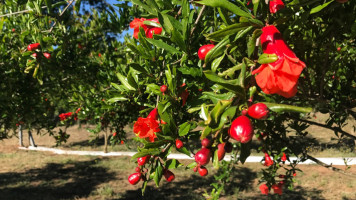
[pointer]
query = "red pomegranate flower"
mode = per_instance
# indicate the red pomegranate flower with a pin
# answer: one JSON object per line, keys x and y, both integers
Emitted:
{"x": 64, "y": 116}
{"x": 275, "y": 5}
{"x": 277, "y": 188}
{"x": 149, "y": 30}
{"x": 268, "y": 160}
{"x": 147, "y": 127}
{"x": 264, "y": 189}
{"x": 281, "y": 76}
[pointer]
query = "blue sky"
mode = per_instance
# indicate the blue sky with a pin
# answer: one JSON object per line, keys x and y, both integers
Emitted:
{"x": 130, "y": 31}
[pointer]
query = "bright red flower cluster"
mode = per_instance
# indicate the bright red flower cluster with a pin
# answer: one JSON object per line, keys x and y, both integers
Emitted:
{"x": 275, "y": 5}
{"x": 149, "y": 30}
{"x": 64, "y": 116}
{"x": 280, "y": 77}
{"x": 147, "y": 127}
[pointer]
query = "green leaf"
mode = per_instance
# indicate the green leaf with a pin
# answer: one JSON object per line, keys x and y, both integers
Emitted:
{"x": 185, "y": 151}
{"x": 243, "y": 33}
{"x": 156, "y": 144}
{"x": 217, "y": 50}
{"x": 153, "y": 88}
{"x": 215, "y": 114}
{"x": 121, "y": 88}
{"x": 144, "y": 6}
{"x": 320, "y": 7}
{"x": 125, "y": 82}
{"x": 227, "y": 115}
{"x": 287, "y": 108}
{"x": 169, "y": 23}
{"x": 151, "y": 23}
{"x": 178, "y": 39}
{"x": 217, "y": 97}
{"x": 224, "y": 16}
{"x": 215, "y": 64}
{"x": 184, "y": 129}
{"x": 267, "y": 58}
{"x": 116, "y": 99}
{"x": 206, "y": 131}
{"x": 227, "y": 5}
{"x": 145, "y": 152}
{"x": 232, "y": 85}
{"x": 216, "y": 159}
{"x": 251, "y": 45}
{"x": 204, "y": 112}
{"x": 255, "y": 6}
{"x": 192, "y": 165}
{"x": 245, "y": 151}
{"x": 163, "y": 45}
{"x": 172, "y": 164}
{"x": 192, "y": 71}
{"x": 138, "y": 68}
{"x": 227, "y": 31}
{"x": 158, "y": 174}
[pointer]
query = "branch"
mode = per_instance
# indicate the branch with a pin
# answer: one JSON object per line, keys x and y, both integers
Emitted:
{"x": 337, "y": 129}
{"x": 19, "y": 12}
{"x": 329, "y": 166}
{"x": 197, "y": 20}
{"x": 70, "y": 3}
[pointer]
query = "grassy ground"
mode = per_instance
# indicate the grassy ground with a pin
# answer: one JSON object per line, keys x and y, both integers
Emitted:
{"x": 41, "y": 175}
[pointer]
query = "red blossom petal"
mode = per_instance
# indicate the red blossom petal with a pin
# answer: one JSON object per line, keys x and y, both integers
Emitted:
{"x": 275, "y": 5}
{"x": 280, "y": 77}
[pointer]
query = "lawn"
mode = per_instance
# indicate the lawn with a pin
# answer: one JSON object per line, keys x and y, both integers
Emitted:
{"x": 41, "y": 175}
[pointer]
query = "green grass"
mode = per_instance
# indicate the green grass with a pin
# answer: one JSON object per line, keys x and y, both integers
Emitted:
{"x": 47, "y": 176}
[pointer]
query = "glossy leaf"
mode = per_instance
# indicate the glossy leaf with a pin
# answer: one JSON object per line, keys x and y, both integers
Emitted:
{"x": 287, "y": 108}
{"x": 227, "y": 5}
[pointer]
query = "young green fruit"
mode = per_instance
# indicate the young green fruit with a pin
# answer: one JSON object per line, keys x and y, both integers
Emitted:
{"x": 241, "y": 129}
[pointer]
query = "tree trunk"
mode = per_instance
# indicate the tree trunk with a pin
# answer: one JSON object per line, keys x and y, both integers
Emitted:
{"x": 20, "y": 136}
{"x": 106, "y": 141}
{"x": 30, "y": 138}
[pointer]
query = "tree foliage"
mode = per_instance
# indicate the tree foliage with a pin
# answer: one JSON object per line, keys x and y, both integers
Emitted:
{"x": 113, "y": 82}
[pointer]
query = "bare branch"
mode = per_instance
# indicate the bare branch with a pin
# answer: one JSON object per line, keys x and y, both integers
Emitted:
{"x": 19, "y": 12}
{"x": 70, "y": 3}
{"x": 337, "y": 129}
{"x": 197, "y": 20}
{"x": 329, "y": 166}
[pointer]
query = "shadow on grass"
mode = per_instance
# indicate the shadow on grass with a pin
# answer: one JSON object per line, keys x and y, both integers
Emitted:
{"x": 69, "y": 180}
{"x": 193, "y": 187}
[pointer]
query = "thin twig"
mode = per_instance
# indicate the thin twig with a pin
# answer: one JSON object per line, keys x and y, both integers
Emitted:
{"x": 179, "y": 12}
{"x": 19, "y": 12}
{"x": 70, "y": 3}
{"x": 337, "y": 129}
{"x": 197, "y": 20}
{"x": 329, "y": 166}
